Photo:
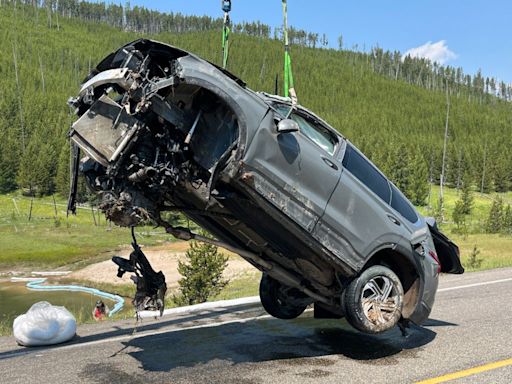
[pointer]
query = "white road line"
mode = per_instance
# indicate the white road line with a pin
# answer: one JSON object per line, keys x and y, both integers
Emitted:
{"x": 208, "y": 325}
{"x": 202, "y": 307}
{"x": 474, "y": 285}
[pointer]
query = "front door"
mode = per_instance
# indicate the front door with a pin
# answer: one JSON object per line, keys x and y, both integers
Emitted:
{"x": 295, "y": 171}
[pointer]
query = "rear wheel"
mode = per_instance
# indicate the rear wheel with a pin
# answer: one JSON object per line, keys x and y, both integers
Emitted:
{"x": 281, "y": 301}
{"x": 374, "y": 300}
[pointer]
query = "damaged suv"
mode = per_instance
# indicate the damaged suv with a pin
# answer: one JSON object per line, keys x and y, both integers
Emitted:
{"x": 164, "y": 130}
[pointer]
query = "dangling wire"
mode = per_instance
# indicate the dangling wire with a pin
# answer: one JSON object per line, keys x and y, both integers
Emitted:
{"x": 226, "y": 30}
{"x": 289, "y": 87}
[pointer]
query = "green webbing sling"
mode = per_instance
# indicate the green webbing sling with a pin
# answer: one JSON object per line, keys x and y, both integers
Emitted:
{"x": 226, "y": 29}
{"x": 289, "y": 88}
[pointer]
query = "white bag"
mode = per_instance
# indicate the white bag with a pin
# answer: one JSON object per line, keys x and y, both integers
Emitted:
{"x": 44, "y": 324}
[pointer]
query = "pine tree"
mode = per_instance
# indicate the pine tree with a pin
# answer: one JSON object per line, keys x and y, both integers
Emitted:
{"x": 501, "y": 171}
{"x": 466, "y": 196}
{"x": 507, "y": 220}
{"x": 201, "y": 274}
{"x": 8, "y": 165}
{"x": 399, "y": 171}
{"x": 458, "y": 216}
{"x": 438, "y": 211}
{"x": 62, "y": 179}
{"x": 474, "y": 262}
{"x": 417, "y": 185}
{"x": 37, "y": 167}
{"x": 494, "y": 222}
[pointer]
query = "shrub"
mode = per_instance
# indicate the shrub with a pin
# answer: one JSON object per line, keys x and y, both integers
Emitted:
{"x": 201, "y": 274}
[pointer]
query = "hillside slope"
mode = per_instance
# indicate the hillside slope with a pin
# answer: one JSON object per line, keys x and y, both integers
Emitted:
{"x": 398, "y": 125}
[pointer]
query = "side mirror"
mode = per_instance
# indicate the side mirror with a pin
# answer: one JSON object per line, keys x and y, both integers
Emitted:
{"x": 287, "y": 125}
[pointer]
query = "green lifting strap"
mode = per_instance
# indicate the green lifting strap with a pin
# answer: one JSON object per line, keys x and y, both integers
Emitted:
{"x": 226, "y": 30}
{"x": 289, "y": 87}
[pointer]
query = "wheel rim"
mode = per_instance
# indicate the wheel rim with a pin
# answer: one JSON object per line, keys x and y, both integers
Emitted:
{"x": 380, "y": 300}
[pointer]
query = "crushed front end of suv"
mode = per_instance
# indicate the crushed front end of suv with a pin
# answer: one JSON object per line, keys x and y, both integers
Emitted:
{"x": 164, "y": 130}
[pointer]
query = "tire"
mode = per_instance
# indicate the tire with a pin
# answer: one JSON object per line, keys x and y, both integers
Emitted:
{"x": 374, "y": 300}
{"x": 280, "y": 301}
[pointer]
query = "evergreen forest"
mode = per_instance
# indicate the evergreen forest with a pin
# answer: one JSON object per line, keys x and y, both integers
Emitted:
{"x": 394, "y": 109}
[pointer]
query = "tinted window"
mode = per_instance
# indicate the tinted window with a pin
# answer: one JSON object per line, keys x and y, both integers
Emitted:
{"x": 402, "y": 206}
{"x": 366, "y": 173}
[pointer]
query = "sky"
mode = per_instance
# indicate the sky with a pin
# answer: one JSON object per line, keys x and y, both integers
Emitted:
{"x": 472, "y": 34}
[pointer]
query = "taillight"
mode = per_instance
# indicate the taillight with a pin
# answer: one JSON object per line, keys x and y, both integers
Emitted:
{"x": 434, "y": 256}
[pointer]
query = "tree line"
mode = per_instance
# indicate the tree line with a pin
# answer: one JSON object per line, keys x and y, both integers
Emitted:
{"x": 139, "y": 19}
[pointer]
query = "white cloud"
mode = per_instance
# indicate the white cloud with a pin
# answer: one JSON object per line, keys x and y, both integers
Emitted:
{"x": 438, "y": 52}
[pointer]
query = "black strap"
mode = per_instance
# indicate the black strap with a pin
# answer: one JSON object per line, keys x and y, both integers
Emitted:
{"x": 75, "y": 164}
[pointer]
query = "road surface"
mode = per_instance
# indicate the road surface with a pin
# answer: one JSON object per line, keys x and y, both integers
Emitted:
{"x": 467, "y": 340}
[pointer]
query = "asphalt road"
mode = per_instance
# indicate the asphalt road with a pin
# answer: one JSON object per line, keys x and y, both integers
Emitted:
{"x": 470, "y": 329}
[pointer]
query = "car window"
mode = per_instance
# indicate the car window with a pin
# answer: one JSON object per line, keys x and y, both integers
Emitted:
{"x": 318, "y": 134}
{"x": 315, "y": 132}
{"x": 362, "y": 169}
{"x": 400, "y": 204}
{"x": 283, "y": 109}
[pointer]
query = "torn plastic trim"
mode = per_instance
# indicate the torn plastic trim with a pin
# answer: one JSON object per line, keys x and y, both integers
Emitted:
{"x": 118, "y": 76}
{"x": 144, "y": 46}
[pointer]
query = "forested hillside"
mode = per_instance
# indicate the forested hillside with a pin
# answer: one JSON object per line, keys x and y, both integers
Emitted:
{"x": 393, "y": 109}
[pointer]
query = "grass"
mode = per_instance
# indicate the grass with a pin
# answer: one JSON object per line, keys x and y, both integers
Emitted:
{"x": 244, "y": 286}
{"x": 495, "y": 250}
{"x": 481, "y": 207}
{"x": 5, "y": 328}
{"x": 50, "y": 239}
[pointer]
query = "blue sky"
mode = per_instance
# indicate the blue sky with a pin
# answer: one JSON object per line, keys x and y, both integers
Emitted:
{"x": 472, "y": 34}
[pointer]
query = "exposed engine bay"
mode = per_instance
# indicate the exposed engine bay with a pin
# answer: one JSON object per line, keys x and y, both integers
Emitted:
{"x": 156, "y": 140}
{"x": 163, "y": 135}
{"x": 146, "y": 136}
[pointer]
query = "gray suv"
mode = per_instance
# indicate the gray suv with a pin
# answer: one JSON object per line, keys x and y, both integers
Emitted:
{"x": 164, "y": 130}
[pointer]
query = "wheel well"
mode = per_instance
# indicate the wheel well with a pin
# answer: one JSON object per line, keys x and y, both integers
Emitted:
{"x": 406, "y": 272}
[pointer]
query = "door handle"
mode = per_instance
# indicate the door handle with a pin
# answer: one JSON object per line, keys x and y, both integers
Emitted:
{"x": 330, "y": 163}
{"x": 394, "y": 220}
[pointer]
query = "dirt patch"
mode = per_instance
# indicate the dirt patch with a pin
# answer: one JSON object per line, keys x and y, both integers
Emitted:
{"x": 163, "y": 258}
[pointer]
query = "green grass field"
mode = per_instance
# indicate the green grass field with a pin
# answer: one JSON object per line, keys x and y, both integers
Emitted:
{"x": 481, "y": 206}
{"x": 51, "y": 239}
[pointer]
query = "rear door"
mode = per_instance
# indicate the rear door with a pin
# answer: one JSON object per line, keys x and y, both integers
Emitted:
{"x": 295, "y": 171}
{"x": 358, "y": 218}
